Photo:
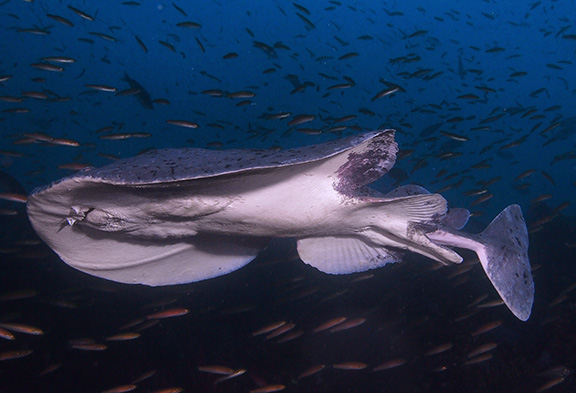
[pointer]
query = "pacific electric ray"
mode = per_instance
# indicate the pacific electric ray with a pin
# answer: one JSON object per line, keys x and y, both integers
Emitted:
{"x": 183, "y": 215}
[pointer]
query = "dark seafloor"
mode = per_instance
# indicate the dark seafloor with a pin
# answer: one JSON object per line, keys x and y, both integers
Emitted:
{"x": 482, "y": 94}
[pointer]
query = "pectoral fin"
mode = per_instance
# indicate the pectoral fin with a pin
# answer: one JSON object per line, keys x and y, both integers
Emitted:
{"x": 344, "y": 255}
{"x": 155, "y": 262}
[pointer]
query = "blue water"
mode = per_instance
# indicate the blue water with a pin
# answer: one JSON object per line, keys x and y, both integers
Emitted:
{"x": 435, "y": 52}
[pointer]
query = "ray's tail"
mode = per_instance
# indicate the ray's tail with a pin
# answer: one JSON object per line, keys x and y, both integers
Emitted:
{"x": 503, "y": 252}
{"x": 505, "y": 260}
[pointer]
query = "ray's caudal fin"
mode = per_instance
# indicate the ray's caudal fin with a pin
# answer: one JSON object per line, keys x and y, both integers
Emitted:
{"x": 503, "y": 252}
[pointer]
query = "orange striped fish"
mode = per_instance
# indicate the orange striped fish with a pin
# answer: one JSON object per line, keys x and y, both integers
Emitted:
{"x": 172, "y": 312}
{"x": 6, "y": 334}
{"x": 13, "y": 197}
{"x": 329, "y": 324}
{"x": 350, "y": 366}
{"x": 21, "y": 328}
{"x": 169, "y": 390}
{"x": 486, "y": 328}
{"x": 352, "y": 323}
{"x": 144, "y": 376}
{"x": 390, "y": 364}
{"x": 120, "y": 389}
{"x": 482, "y": 349}
{"x": 183, "y": 123}
{"x": 268, "y": 389}
{"x": 311, "y": 371}
{"x": 439, "y": 349}
{"x": 215, "y": 369}
{"x": 268, "y": 328}
{"x": 9, "y": 355}
{"x": 280, "y": 330}
{"x": 49, "y": 369}
{"x": 290, "y": 336}
{"x": 89, "y": 347}
{"x": 235, "y": 374}
{"x": 479, "y": 359}
{"x": 123, "y": 336}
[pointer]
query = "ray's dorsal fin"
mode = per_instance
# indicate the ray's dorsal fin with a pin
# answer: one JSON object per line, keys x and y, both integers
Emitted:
{"x": 455, "y": 218}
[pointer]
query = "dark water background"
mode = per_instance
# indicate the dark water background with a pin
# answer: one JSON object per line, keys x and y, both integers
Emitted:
{"x": 516, "y": 59}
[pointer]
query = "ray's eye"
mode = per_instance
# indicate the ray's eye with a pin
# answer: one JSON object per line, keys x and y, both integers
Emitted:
{"x": 77, "y": 214}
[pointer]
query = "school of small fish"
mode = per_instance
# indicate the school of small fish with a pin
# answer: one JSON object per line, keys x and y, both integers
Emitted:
{"x": 483, "y": 103}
